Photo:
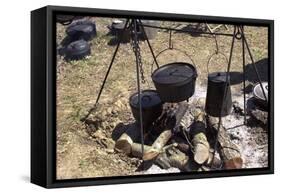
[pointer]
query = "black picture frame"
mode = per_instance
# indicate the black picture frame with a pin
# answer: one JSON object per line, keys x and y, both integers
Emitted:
{"x": 43, "y": 96}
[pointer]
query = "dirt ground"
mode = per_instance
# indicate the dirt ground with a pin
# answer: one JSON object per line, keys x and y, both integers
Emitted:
{"x": 86, "y": 149}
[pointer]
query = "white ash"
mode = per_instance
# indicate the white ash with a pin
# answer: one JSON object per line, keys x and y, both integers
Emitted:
{"x": 253, "y": 155}
{"x": 154, "y": 169}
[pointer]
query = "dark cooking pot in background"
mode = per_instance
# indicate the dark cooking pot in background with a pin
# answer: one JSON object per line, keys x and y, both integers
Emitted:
{"x": 175, "y": 82}
{"x": 77, "y": 50}
{"x": 151, "y": 106}
{"x": 82, "y": 29}
{"x": 65, "y": 19}
{"x": 215, "y": 93}
{"x": 150, "y": 32}
{"x": 260, "y": 100}
{"x": 116, "y": 29}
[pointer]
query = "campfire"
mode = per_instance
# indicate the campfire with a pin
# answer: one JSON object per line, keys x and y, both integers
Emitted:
{"x": 182, "y": 137}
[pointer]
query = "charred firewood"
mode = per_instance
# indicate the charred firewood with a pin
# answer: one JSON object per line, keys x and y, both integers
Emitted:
{"x": 158, "y": 144}
{"x": 213, "y": 162}
{"x": 229, "y": 152}
{"x": 137, "y": 150}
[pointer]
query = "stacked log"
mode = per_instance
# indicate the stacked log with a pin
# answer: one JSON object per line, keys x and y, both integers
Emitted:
{"x": 184, "y": 141}
{"x": 125, "y": 141}
{"x": 229, "y": 152}
{"x": 199, "y": 139}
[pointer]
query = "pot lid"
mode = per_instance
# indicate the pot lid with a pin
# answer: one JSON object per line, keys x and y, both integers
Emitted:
{"x": 174, "y": 73}
{"x": 65, "y": 18}
{"x": 218, "y": 77}
{"x": 149, "y": 98}
{"x": 78, "y": 45}
{"x": 117, "y": 21}
{"x": 151, "y": 22}
{"x": 258, "y": 93}
{"x": 79, "y": 28}
{"x": 118, "y": 24}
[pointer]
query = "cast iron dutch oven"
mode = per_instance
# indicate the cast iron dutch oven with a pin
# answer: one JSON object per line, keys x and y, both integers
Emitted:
{"x": 116, "y": 29}
{"x": 82, "y": 29}
{"x": 77, "y": 50}
{"x": 215, "y": 93}
{"x": 175, "y": 82}
{"x": 260, "y": 100}
{"x": 150, "y": 32}
{"x": 151, "y": 106}
{"x": 65, "y": 19}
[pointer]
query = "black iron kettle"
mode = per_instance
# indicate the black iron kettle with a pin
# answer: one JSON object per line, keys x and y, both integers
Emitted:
{"x": 218, "y": 100}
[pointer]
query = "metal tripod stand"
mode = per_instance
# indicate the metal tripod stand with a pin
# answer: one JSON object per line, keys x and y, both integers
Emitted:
{"x": 134, "y": 25}
{"x": 238, "y": 34}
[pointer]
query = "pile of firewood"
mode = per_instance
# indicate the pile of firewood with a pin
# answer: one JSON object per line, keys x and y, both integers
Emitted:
{"x": 183, "y": 137}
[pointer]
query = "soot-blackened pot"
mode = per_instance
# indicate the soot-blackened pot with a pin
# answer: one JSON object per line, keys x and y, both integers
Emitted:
{"x": 82, "y": 29}
{"x": 65, "y": 19}
{"x": 117, "y": 27}
{"x": 77, "y": 50}
{"x": 218, "y": 85}
{"x": 175, "y": 82}
{"x": 151, "y": 106}
{"x": 149, "y": 31}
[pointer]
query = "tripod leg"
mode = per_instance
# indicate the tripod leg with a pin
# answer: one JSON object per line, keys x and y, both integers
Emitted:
{"x": 139, "y": 88}
{"x": 225, "y": 92}
{"x": 111, "y": 63}
{"x": 107, "y": 73}
{"x": 255, "y": 68}
{"x": 149, "y": 45}
{"x": 244, "y": 76}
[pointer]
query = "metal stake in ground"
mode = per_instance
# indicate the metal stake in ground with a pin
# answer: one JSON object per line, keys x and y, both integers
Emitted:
{"x": 149, "y": 45}
{"x": 107, "y": 73}
{"x": 244, "y": 75}
{"x": 135, "y": 42}
{"x": 225, "y": 90}
{"x": 252, "y": 60}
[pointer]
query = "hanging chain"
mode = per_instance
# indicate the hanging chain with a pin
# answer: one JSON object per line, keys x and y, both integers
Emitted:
{"x": 136, "y": 49}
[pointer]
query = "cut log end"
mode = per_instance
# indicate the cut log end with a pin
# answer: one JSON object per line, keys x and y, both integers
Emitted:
{"x": 201, "y": 153}
{"x": 123, "y": 146}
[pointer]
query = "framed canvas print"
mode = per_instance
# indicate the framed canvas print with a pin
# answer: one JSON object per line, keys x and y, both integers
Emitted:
{"x": 125, "y": 96}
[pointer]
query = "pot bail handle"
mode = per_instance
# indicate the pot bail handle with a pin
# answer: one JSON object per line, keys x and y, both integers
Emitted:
{"x": 178, "y": 50}
{"x": 211, "y": 57}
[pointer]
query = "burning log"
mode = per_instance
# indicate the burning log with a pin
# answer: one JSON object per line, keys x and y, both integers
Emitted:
{"x": 172, "y": 157}
{"x": 228, "y": 151}
{"x": 158, "y": 144}
{"x": 199, "y": 139}
{"x": 137, "y": 149}
{"x": 177, "y": 158}
{"x": 181, "y": 144}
